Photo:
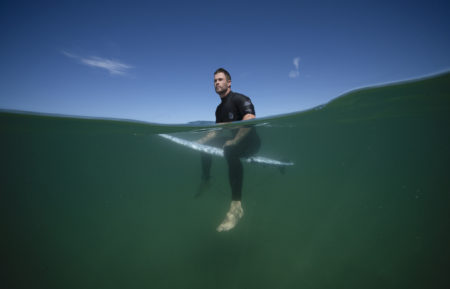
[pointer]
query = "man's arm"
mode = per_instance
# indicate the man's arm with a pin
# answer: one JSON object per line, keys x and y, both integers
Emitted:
{"x": 209, "y": 136}
{"x": 243, "y": 131}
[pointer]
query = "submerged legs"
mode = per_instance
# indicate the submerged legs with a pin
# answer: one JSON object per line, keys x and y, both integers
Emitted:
{"x": 232, "y": 154}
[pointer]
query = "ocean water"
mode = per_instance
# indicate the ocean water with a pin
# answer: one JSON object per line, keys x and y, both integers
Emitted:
{"x": 96, "y": 203}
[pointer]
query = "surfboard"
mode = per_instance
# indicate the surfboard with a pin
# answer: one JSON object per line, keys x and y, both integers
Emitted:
{"x": 219, "y": 152}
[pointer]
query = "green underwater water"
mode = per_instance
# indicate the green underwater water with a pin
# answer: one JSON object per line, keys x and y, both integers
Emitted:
{"x": 95, "y": 203}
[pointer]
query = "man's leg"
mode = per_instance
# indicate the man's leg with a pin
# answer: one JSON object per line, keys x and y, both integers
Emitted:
{"x": 233, "y": 155}
{"x": 235, "y": 175}
{"x": 206, "y": 162}
{"x": 206, "y": 166}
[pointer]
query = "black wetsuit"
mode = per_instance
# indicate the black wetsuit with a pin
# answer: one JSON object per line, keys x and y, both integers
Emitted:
{"x": 233, "y": 108}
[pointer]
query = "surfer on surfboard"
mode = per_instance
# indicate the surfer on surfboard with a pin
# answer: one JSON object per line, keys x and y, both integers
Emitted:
{"x": 243, "y": 143}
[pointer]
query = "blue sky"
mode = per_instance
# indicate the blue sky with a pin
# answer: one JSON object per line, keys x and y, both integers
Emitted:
{"x": 154, "y": 60}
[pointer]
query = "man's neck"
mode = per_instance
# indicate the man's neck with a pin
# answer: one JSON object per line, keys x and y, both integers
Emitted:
{"x": 223, "y": 95}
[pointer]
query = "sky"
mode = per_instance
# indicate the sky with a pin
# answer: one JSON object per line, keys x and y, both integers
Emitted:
{"x": 154, "y": 61}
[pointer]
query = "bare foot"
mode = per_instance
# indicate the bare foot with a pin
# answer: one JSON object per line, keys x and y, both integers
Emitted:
{"x": 233, "y": 216}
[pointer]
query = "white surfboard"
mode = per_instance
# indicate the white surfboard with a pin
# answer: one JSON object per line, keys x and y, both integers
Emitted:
{"x": 219, "y": 152}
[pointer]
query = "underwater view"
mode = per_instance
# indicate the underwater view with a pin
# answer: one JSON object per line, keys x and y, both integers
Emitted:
{"x": 105, "y": 203}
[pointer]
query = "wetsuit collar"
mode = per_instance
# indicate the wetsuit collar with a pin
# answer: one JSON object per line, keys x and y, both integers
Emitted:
{"x": 226, "y": 96}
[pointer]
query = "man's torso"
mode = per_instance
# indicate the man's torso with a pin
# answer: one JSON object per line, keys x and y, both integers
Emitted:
{"x": 233, "y": 108}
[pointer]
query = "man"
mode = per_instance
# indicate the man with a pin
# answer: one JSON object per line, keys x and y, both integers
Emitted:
{"x": 243, "y": 143}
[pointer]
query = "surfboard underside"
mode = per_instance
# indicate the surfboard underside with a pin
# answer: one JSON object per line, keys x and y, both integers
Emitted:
{"x": 219, "y": 152}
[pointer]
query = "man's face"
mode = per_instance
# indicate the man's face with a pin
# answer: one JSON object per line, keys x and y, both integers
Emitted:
{"x": 221, "y": 84}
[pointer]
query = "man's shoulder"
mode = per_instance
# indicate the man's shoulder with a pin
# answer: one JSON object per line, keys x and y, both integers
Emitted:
{"x": 236, "y": 96}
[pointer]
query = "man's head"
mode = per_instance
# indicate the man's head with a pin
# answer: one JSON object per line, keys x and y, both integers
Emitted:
{"x": 222, "y": 82}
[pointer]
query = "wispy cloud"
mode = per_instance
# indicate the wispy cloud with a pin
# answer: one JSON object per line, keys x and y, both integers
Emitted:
{"x": 114, "y": 67}
{"x": 295, "y": 72}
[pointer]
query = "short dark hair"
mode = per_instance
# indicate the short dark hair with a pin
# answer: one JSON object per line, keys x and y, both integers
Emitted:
{"x": 227, "y": 74}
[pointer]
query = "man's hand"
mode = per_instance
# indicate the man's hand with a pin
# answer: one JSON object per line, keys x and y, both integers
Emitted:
{"x": 248, "y": 116}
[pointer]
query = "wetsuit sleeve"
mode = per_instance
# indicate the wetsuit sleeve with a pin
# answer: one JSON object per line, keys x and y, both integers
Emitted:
{"x": 245, "y": 105}
{"x": 218, "y": 120}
